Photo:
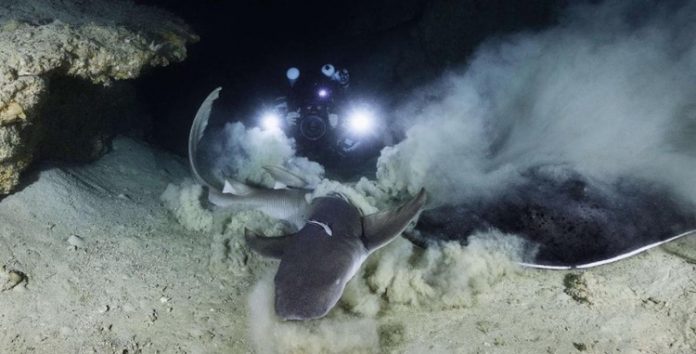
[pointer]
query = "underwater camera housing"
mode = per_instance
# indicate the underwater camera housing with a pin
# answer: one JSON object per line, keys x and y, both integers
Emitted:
{"x": 327, "y": 126}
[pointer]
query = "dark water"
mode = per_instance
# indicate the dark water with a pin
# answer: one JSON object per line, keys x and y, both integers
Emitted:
{"x": 389, "y": 46}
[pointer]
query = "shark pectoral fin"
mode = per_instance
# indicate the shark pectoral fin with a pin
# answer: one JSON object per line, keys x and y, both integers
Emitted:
{"x": 382, "y": 227}
{"x": 286, "y": 177}
{"x": 266, "y": 246}
{"x": 237, "y": 188}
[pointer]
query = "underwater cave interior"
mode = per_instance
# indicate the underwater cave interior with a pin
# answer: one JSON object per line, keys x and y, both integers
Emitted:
{"x": 453, "y": 148}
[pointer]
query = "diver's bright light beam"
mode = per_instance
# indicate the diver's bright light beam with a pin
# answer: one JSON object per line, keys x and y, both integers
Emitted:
{"x": 360, "y": 121}
{"x": 270, "y": 121}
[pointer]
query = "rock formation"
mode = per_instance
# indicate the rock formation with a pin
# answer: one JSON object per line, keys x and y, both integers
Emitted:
{"x": 44, "y": 41}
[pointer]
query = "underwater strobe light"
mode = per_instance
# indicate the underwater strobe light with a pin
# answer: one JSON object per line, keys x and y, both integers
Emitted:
{"x": 292, "y": 74}
{"x": 361, "y": 121}
{"x": 270, "y": 121}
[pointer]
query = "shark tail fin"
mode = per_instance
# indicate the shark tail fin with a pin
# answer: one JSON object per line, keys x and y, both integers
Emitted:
{"x": 382, "y": 227}
{"x": 200, "y": 122}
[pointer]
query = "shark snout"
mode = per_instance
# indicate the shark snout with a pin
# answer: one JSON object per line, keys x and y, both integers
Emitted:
{"x": 301, "y": 309}
{"x": 302, "y": 302}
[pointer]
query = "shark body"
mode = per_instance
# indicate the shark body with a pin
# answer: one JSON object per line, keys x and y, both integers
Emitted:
{"x": 317, "y": 262}
{"x": 333, "y": 240}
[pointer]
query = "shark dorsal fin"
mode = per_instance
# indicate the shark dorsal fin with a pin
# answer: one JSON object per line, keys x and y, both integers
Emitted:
{"x": 382, "y": 227}
{"x": 266, "y": 246}
{"x": 286, "y": 177}
{"x": 237, "y": 188}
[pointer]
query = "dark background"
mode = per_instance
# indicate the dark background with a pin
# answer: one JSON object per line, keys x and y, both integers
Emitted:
{"x": 389, "y": 46}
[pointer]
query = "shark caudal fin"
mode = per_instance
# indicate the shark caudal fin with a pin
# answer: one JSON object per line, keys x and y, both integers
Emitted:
{"x": 382, "y": 227}
{"x": 200, "y": 122}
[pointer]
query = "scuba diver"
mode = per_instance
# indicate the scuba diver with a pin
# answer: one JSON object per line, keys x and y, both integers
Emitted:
{"x": 327, "y": 126}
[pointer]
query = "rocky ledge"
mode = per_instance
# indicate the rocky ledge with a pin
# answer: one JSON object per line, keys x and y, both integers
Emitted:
{"x": 42, "y": 42}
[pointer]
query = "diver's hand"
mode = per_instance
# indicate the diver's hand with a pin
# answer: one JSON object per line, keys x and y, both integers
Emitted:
{"x": 292, "y": 117}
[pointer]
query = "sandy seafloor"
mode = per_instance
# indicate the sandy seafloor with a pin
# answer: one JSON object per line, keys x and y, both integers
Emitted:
{"x": 135, "y": 280}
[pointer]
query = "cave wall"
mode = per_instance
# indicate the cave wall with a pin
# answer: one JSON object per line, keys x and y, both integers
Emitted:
{"x": 99, "y": 42}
